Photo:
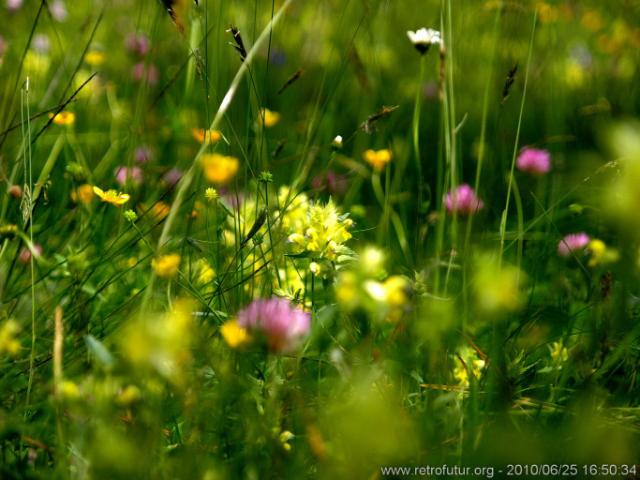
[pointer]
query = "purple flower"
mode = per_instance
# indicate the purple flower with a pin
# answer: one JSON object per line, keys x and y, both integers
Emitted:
{"x": 58, "y": 10}
{"x": 172, "y": 176}
{"x": 534, "y": 161}
{"x": 145, "y": 73}
{"x": 25, "y": 253}
{"x": 572, "y": 242}
{"x": 138, "y": 44}
{"x": 13, "y": 5}
{"x": 463, "y": 200}
{"x": 282, "y": 324}
{"x": 142, "y": 154}
{"x": 124, "y": 174}
{"x": 41, "y": 43}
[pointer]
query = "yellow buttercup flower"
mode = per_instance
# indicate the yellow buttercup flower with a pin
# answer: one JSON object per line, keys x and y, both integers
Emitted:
{"x": 269, "y": 118}
{"x": 219, "y": 168}
{"x": 94, "y": 58}
{"x": 63, "y": 118}
{"x": 378, "y": 159}
{"x": 208, "y": 136}
{"x": 83, "y": 194}
{"x": 234, "y": 334}
{"x": 166, "y": 266}
{"x": 111, "y": 196}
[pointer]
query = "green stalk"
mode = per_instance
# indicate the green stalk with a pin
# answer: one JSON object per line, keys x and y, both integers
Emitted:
{"x": 503, "y": 221}
{"x": 416, "y": 150}
{"x": 29, "y": 198}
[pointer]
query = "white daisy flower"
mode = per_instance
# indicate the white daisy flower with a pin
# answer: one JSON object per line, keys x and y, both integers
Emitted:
{"x": 424, "y": 38}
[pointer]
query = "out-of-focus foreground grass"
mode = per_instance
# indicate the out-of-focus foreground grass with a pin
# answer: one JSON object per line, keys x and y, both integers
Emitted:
{"x": 286, "y": 239}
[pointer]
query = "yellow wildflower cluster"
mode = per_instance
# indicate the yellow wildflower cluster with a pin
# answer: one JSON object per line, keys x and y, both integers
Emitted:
{"x": 468, "y": 362}
{"x": 323, "y": 232}
{"x": 366, "y": 287}
{"x": 559, "y": 353}
{"x": 294, "y": 209}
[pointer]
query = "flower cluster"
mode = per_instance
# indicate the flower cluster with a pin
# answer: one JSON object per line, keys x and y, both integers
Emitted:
{"x": 534, "y": 161}
{"x": 324, "y": 231}
{"x": 281, "y": 324}
{"x": 463, "y": 200}
{"x": 367, "y": 287}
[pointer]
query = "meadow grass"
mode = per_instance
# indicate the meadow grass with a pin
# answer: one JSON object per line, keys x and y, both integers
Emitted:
{"x": 286, "y": 239}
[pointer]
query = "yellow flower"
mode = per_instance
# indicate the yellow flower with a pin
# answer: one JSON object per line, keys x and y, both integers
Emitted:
{"x": 284, "y": 438}
{"x": 372, "y": 261}
{"x": 219, "y": 168}
{"x": 160, "y": 210}
{"x": 234, "y": 334}
{"x": 69, "y": 390}
{"x": 63, "y": 118}
{"x": 211, "y": 194}
{"x": 83, "y": 194}
{"x": 600, "y": 253}
{"x": 128, "y": 395}
{"x": 326, "y": 230}
{"x": 559, "y": 352}
{"x": 205, "y": 273}
{"x": 472, "y": 364}
{"x": 8, "y": 342}
{"x": 166, "y": 266}
{"x": 294, "y": 209}
{"x": 111, "y": 196}
{"x": 398, "y": 291}
{"x": 94, "y": 58}
{"x": 347, "y": 290}
{"x": 378, "y": 159}
{"x": 208, "y": 136}
{"x": 269, "y": 118}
